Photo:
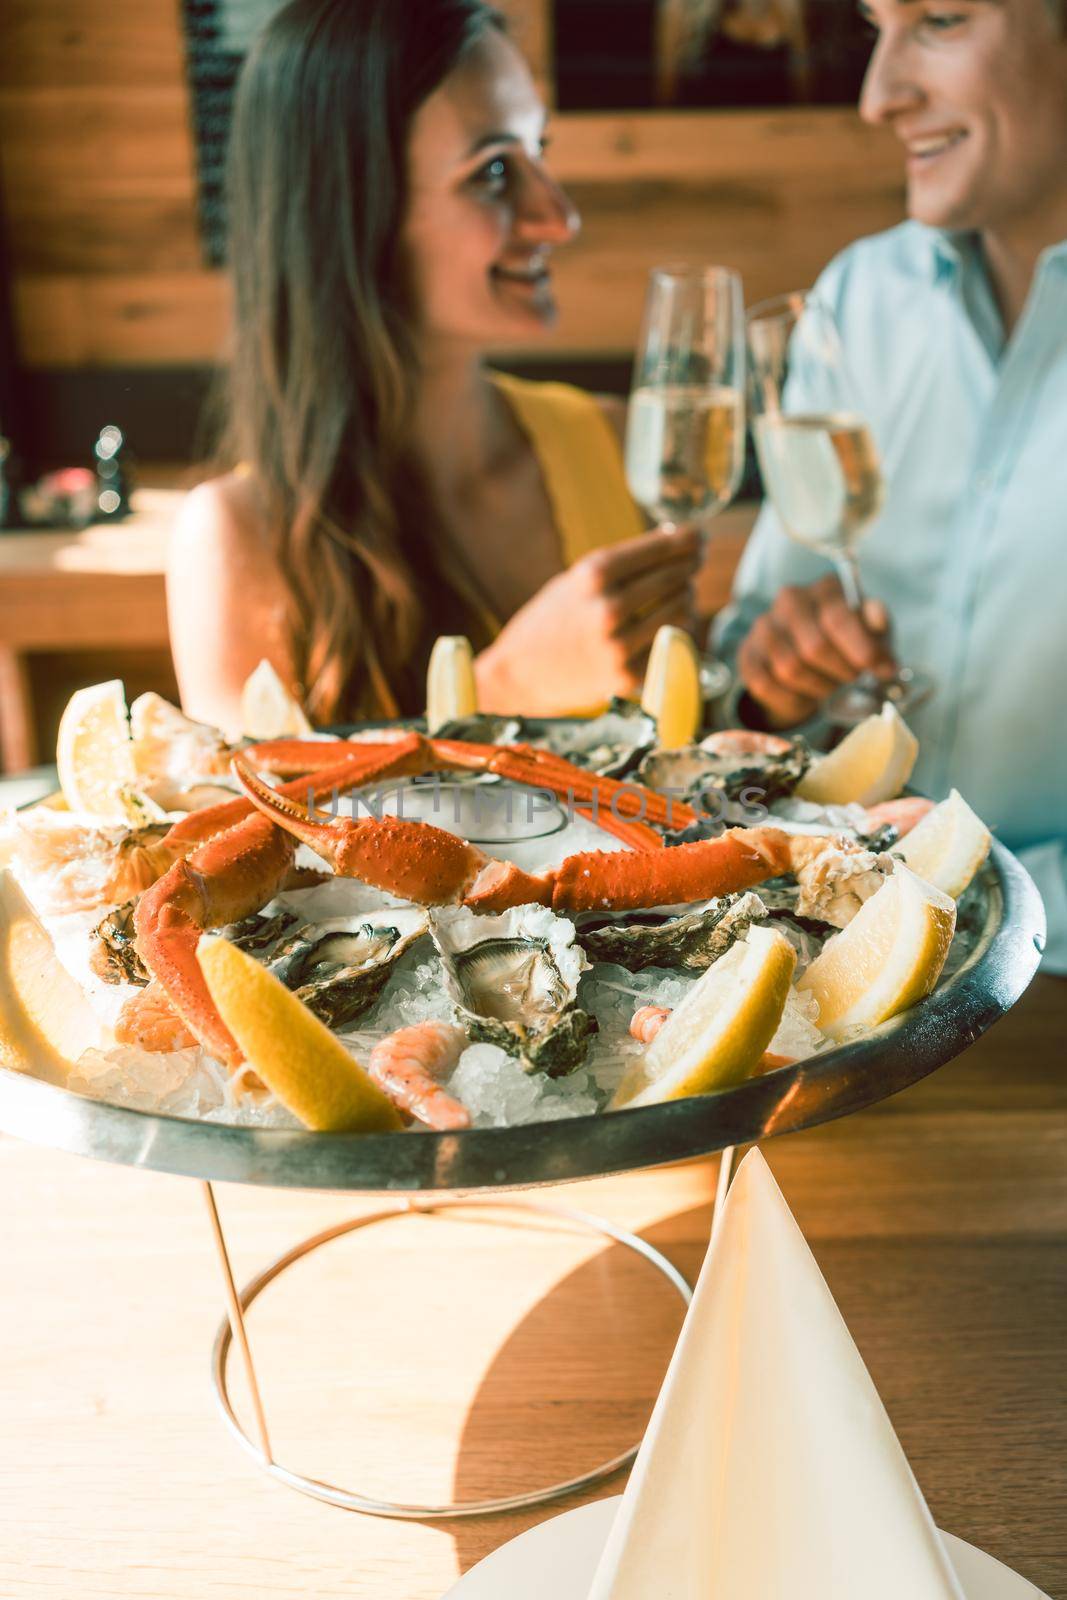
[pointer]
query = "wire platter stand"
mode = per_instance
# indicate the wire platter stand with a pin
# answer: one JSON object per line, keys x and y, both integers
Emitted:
{"x": 233, "y": 1330}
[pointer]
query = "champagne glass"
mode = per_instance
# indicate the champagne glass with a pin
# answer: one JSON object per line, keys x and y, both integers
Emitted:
{"x": 820, "y": 464}
{"x": 685, "y": 427}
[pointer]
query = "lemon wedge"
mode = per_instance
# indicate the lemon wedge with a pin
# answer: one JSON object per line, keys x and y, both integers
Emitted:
{"x": 268, "y": 710}
{"x": 295, "y": 1054}
{"x": 671, "y": 691}
{"x": 718, "y": 1033}
{"x": 948, "y": 846}
{"x": 889, "y": 956}
{"x": 871, "y": 764}
{"x": 94, "y": 752}
{"x": 451, "y": 691}
{"x": 45, "y": 1020}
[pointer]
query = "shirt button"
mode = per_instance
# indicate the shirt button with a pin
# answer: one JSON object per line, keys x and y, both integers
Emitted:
{"x": 983, "y": 482}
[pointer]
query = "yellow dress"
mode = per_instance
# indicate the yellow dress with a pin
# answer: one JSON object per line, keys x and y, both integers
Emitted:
{"x": 580, "y": 461}
{"x": 582, "y": 466}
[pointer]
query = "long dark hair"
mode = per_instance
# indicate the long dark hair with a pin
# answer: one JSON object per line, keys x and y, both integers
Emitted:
{"x": 320, "y": 389}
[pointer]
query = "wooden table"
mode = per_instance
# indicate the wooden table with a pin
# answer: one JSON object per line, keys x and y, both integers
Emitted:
{"x": 431, "y": 1355}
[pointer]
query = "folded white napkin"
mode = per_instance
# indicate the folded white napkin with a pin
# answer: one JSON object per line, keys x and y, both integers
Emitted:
{"x": 769, "y": 1470}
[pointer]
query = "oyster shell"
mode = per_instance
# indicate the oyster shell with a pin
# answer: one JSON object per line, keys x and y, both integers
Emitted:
{"x": 340, "y": 967}
{"x": 609, "y": 744}
{"x": 481, "y": 729}
{"x": 706, "y": 768}
{"x": 691, "y": 940}
{"x": 114, "y": 957}
{"x": 513, "y": 980}
{"x": 258, "y": 932}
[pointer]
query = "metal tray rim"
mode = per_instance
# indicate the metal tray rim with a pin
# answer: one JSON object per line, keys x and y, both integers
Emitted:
{"x": 826, "y": 1086}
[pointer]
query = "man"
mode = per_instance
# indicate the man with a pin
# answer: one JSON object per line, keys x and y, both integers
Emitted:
{"x": 955, "y": 329}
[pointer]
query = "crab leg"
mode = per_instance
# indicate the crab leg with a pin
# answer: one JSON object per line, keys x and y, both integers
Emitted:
{"x": 638, "y": 835}
{"x": 523, "y": 764}
{"x": 594, "y": 880}
{"x": 359, "y": 764}
{"x": 410, "y": 859}
{"x": 612, "y": 799}
{"x": 288, "y": 758}
{"x": 226, "y": 879}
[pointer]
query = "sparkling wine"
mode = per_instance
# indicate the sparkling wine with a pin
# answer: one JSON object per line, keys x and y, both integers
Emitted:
{"x": 685, "y": 449}
{"x": 822, "y": 474}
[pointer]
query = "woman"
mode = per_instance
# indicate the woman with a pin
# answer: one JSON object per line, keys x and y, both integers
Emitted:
{"x": 391, "y": 215}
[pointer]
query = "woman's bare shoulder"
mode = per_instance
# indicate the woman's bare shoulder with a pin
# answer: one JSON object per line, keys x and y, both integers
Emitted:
{"x": 226, "y": 597}
{"x": 223, "y": 516}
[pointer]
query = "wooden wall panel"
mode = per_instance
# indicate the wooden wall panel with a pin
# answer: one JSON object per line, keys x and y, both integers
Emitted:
{"x": 90, "y": 43}
{"x": 97, "y": 169}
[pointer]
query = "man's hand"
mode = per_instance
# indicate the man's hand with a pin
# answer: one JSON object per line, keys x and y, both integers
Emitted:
{"x": 585, "y": 636}
{"x": 807, "y": 644}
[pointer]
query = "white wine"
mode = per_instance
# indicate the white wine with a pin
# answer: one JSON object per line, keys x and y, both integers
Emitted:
{"x": 685, "y": 449}
{"x": 823, "y": 476}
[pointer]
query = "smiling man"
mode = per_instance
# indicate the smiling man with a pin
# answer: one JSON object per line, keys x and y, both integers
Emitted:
{"x": 955, "y": 330}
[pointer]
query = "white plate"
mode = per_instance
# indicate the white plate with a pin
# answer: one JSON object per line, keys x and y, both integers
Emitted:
{"x": 558, "y": 1558}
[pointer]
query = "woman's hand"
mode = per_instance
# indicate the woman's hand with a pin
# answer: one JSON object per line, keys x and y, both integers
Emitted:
{"x": 807, "y": 643}
{"x": 585, "y": 636}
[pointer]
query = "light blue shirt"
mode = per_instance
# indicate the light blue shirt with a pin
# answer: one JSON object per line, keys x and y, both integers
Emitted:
{"x": 970, "y": 550}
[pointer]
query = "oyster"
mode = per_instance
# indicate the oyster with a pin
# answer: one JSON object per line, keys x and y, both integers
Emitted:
{"x": 513, "y": 980}
{"x": 258, "y": 932}
{"x": 764, "y": 762}
{"x": 692, "y": 940}
{"x": 340, "y": 967}
{"x": 609, "y": 744}
{"x": 683, "y": 774}
{"x": 114, "y": 957}
{"x": 700, "y": 770}
{"x": 481, "y": 729}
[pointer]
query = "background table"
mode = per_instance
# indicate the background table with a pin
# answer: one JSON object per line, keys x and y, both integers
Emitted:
{"x": 93, "y": 600}
{"x": 939, "y": 1218}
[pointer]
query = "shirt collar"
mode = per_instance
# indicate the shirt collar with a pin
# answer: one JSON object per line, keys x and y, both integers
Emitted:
{"x": 952, "y": 252}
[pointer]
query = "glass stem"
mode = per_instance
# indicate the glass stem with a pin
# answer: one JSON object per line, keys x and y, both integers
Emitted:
{"x": 849, "y": 573}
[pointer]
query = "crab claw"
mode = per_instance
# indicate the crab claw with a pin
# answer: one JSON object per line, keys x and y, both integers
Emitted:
{"x": 412, "y": 860}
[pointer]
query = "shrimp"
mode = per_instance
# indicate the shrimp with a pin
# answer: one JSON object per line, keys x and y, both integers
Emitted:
{"x": 647, "y": 1021}
{"x": 408, "y": 1066}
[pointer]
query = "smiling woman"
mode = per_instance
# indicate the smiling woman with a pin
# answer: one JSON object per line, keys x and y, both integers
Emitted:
{"x": 391, "y": 216}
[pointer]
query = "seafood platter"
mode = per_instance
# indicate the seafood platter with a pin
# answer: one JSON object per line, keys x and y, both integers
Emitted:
{"x": 513, "y": 952}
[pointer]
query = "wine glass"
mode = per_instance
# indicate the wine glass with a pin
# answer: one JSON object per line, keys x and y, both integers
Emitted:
{"x": 685, "y": 427}
{"x": 820, "y": 464}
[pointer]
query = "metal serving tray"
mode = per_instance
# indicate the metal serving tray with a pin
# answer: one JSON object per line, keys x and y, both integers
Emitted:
{"x": 1000, "y": 936}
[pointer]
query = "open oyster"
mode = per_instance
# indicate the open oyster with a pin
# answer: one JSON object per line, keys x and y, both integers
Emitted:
{"x": 610, "y": 744}
{"x": 340, "y": 967}
{"x": 757, "y": 767}
{"x": 691, "y": 940}
{"x": 514, "y": 981}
